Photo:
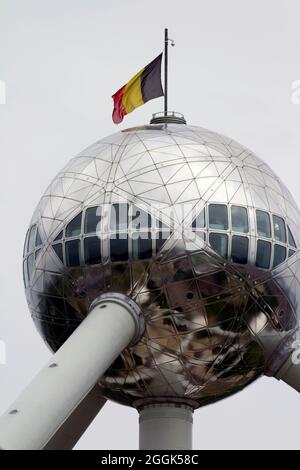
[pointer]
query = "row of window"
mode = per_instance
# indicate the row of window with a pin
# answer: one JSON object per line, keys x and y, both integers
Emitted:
{"x": 121, "y": 248}
{"x": 33, "y": 240}
{"x": 267, "y": 254}
{"x": 136, "y": 235}
{"x": 266, "y": 226}
{"x": 124, "y": 216}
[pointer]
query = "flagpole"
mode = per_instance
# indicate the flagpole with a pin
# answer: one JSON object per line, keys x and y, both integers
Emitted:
{"x": 166, "y": 71}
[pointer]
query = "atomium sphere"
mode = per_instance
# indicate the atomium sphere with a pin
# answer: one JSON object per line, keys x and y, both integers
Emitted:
{"x": 192, "y": 226}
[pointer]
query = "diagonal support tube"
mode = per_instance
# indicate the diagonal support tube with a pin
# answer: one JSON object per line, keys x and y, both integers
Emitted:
{"x": 282, "y": 354}
{"x": 35, "y": 420}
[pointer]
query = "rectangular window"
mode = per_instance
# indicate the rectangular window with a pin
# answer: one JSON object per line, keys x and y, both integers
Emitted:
{"x": 92, "y": 219}
{"x": 263, "y": 224}
{"x": 141, "y": 246}
{"x": 239, "y": 249}
{"x": 74, "y": 227}
{"x": 31, "y": 239}
{"x": 279, "y": 229}
{"x": 199, "y": 222}
{"x": 38, "y": 240}
{"x": 119, "y": 248}
{"x": 279, "y": 255}
{"x": 219, "y": 243}
{"x": 119, "y": 217}
{"x": 30, "y": 265}
{"x": 92, "y": 250}
{"x": 57, "y": 247}
{"x": 263, "y": 254}
{"x": 239, "y": 219}
{"x": 218, "y": 217}
{"x": 140, "y": 219}
{"x": 72, "y": 253}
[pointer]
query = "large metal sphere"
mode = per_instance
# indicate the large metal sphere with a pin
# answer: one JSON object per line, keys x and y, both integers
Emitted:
{"x": 216, "y": 268}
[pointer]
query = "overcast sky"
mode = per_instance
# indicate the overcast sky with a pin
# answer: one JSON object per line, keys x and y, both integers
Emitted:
{"x": 231, "y": 71}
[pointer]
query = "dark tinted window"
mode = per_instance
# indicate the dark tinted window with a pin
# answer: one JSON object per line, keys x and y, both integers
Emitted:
{"x": 92, "y": 251}
{"x": 140, "y": 219}
{"x": 31, "y": 238}
{"x": 160, "y": 240}
{"x": 72, "y": 253}
{"x": 141, "y": 246}
{"x": 199, "y": 222}
{"x": 263, "y": 224}
{"x": 291, "y": 238}
{"x": 279, "y": 255}
{"x": 26, "y": 243}
{"x": 59, "y": 236}
{"x": 279, "y": 229}
{"x": 263, "y": 254}
{"x": 92, "y": 219}
{"x": 30, "y": 264}
{"x": 239, "y": 249}
{"x": 38, "y": 240}
{"x": 74, "y": 227}
{"x": 58, "y": 250}
{"x": 239, "y": 219}
{"x": 119, "y": 217}
{"x": 218, "y": 217}
{"x": 219, "y": 243}
{"x": 291, "y": 253}
{"x": 119, "y": 248}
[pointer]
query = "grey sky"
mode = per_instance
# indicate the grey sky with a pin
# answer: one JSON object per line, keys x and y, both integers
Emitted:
{"x": 231, "y": 71}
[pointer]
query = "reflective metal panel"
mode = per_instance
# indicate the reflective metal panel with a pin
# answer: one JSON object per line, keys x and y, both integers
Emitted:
{"x": 214, "y": 220}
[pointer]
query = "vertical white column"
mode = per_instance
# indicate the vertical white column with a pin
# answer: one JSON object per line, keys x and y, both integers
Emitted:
{"x": 166, "y": 426}
{"x": 37, "y": 415}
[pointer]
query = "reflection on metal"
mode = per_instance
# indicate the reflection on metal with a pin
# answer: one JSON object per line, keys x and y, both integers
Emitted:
{"x": 204, "y": 313}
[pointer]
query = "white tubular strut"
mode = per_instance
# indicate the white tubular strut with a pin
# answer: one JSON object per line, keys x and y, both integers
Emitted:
{"x": 43, "y": 414}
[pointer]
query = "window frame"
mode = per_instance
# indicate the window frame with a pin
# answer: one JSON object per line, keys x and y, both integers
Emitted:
{"x": 244, "y": 236}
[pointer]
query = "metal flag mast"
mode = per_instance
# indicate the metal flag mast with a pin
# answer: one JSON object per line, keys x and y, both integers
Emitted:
{"x": 167, "y": 40}
{"x": 167, "y": 117}
{"x": 166, "y": 72}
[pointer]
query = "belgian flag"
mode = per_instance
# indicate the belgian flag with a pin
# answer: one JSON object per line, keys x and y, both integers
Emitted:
{"x": 144, "y": 86}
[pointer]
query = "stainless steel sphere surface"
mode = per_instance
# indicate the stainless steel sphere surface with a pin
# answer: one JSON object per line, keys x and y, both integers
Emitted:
{"x": 192, "y": 226}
